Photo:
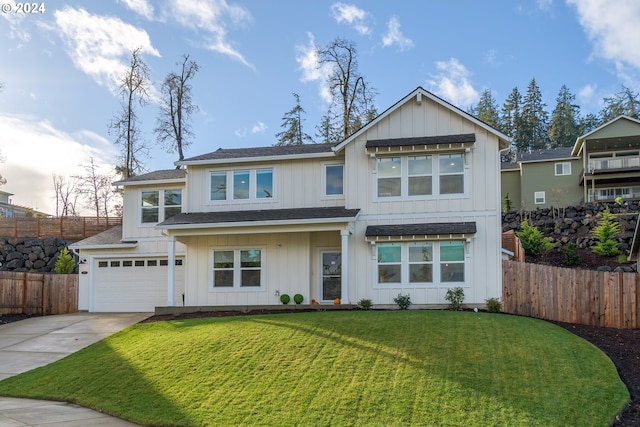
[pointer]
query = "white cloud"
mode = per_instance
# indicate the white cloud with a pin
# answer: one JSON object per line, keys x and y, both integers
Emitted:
{"x": 312, "y": 71}
{"x": 101, "y": 46}
{"x": 34, "y": 150}
{"x": 452, "y": 83}
{"x": 210, "y": 16}
{"x": 395, "y": 37}
{"x": 613, "y": 28}
{"x": 16, "y": 32}
{"x": 351, "y": 15}
{"x": 141, "y": 7}
{"x": 258, "y": 128}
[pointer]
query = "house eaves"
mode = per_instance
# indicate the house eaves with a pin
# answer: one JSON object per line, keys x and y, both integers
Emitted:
{"x": 577, "y": 147}
{"x": 166, "y": 176}
{"x": 263, "y": 159}
{"x": 417, "y": 94}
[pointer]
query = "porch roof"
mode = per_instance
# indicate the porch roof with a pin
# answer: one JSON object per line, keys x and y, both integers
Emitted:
{"x": 425, "y": 140}
{"x": 433, "y": 230}
{"x": 259, "y": 218}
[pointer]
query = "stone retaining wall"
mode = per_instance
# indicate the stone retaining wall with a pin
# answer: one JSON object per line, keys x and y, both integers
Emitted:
{"x": 30, "y": 254}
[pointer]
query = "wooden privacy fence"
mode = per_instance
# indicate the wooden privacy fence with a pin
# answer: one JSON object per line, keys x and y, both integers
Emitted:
{"x": 586, "y": 297}
{"x": 66, "y": 228}
{"x": 38, "y": 293}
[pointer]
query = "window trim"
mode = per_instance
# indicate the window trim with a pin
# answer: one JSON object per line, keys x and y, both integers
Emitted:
{"x": 253, "y": 183}
{"x": 435, "y": 262}
{"x": 537, "y": 195}
{"x": 565, "y": 166}
{"x": 325, "y": 166}
{"x": 237, "y": 269}
{"x": 435, "y": 177}
{"x": 161, "y": 206}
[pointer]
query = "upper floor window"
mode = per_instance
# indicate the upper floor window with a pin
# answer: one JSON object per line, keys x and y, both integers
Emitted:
{"x": 158, "y": 205}
{"x": 426, "y": 175}
{"x": 563, "y": 168}
{"x": 334, "y": 180}
{"x": 247, "y": 184}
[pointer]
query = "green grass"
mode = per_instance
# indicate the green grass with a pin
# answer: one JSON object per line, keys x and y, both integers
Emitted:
{"x": 436, "y": 368}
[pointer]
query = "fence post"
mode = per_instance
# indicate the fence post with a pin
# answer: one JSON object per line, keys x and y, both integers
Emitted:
{"x": 25, "y": 291}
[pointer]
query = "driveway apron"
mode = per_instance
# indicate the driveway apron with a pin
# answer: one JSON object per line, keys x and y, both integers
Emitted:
{"x": 38, "y": 341}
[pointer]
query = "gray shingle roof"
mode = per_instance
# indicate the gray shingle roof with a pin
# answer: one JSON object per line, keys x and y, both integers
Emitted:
{"x": 281, "y": 150}
{"x": 259, "y": 215}
{"x": 425, "y": 140}
{"x": 112, "y": 236}
{"x": 421, "y": 229}
{"x": 159, "y": 175}
{"x": 539, "y": 155}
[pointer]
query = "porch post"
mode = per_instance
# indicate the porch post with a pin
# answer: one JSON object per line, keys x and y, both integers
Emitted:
{"x": 171, "y": 271}
{"x": 344, "y": 277}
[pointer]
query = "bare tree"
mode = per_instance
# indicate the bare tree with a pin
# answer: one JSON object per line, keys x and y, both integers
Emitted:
{"x": 133, "y": 91}
{"x": 96, "y": 189}
{"x": 66, "y": 195}
{"x": 173, "y": 128}
{"x": 351, "y": 93}
{"x": 3, "y": 180}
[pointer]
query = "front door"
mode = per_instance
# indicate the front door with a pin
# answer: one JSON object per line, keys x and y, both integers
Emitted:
{"x": 331, "y": 282}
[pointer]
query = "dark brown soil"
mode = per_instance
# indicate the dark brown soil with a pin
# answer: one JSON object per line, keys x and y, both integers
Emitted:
{"x": 588, "y": 260}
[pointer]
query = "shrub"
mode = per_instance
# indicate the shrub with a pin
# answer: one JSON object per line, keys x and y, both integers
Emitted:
{"x": 297, "y": 298}
{"x": 65, "y": 263}
{"x": 403, "y": 301}
{"x": 493, "y": 305}
{"x": 570, "y": 255}
{"x": 532, "y": 241}
{"x": 284, "y": 298}
{"x": 455, "y": 296}
{"x": 605, "y": 233}
{"x": 365, "y": 304}
{"x": 506, "y": 203}
{"x": 622, "y": 259}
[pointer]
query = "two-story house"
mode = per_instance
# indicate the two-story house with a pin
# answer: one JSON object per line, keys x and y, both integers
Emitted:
{"x": 409, "y": 204}
{"x": 602, "y": 165}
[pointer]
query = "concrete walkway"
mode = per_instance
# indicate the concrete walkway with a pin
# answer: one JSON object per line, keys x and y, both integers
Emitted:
{"x": 38, "y": 341}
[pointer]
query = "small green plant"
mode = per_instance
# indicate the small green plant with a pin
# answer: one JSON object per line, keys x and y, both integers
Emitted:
{"x": 506, "y": 203}
{"x": 532, "y": 241}
{"x": 65, "y": 263}
{"x": 605, "y": 233}
{"x": 403, "y": 301}
{"x": 365, "y": 304}
{"x": 570, "y": 255}
{"x": 298, "y": 298}
{"x": 455, "y": 296}
{"x": 622, "y": 259}
{"x": 285, "y": 298}
{"x": 493, "y": 305}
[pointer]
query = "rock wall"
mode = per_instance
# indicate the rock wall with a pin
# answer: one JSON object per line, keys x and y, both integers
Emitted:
{"x": 575, "y": 224}
{"x": 30, "y": 254}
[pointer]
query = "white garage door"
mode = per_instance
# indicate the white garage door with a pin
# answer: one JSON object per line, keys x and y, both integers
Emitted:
{"x": 133, "y": 284}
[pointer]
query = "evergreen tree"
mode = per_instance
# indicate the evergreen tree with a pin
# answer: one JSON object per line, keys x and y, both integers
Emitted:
{"x": 487, "y": 109}
{"x": 327, "y": 131}
{"x": 624, "y": 102}
{"x": 65, "y": 264}
{"x": 534, "y": 125}
{"x": 511, "y": 118}
{"x": 564, "y": 127}
{"x": 292, "y": 125}
{"x": 588, "y": 123}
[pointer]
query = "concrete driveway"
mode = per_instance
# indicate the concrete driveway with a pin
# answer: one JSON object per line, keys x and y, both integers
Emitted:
{"x": 38, "y": 341}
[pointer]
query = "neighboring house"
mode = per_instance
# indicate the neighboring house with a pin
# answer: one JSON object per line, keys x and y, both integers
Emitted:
{"x": 409, "y": 204}
{"x": 9, "y": 210}
{"x": 602, "y": 165}
{"x": 541, "y": 179}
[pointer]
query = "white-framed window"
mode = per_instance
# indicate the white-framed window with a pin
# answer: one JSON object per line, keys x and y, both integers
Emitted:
{"x": 421, "y": 263}
{"x": 237, "y": 269}
{"x": 158, "y": 205}
{"x": 421, "y": 175}
{"x": 246, "y": 184}
{"x": 539, "y": 197}
{"x": 333, "y": 180}
{"x": 563, "y": 168}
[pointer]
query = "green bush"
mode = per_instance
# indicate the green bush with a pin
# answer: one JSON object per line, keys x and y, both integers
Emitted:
{"x": 65, "y": 263}
{"x": 532, "y": 241}
{"x": 506, "y": 203}
{"x": 455, "y": 296}
{"x": 570, "y": 255}
{"x": 605, "y": 233}
{"x": 493, "y": 305}
{"x": 403, "y": 301}
{"x": 365, "y": 304}
{"x": 298, "y": 298}
{"x": 284, "y": 298}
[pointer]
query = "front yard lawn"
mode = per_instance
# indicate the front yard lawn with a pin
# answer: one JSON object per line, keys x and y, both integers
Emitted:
{"x": 410, "y": 367}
